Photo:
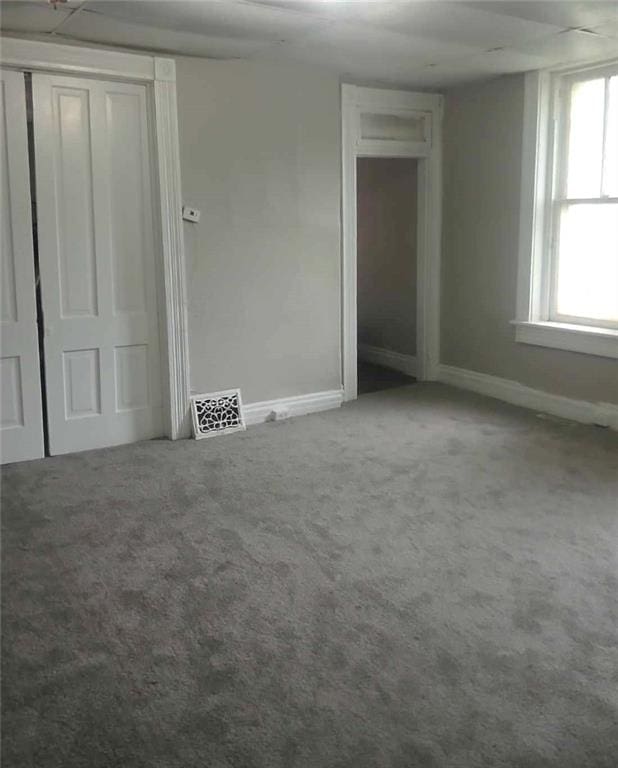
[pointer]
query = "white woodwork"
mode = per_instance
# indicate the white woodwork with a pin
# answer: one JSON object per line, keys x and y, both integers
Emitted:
{"x": 176, "y": 333}
{"x": 36, "y": 55}
{"x": 417, "y": 133}
{"x": 392, "y": 127}
{"x": 159, "y": 75}
{"x": 288, "y": 407}
{"x": 602, "y": 414}
{"x": 602, "y": 342}
{"x": 21, "y": 424}
{"x": 131, "y": 367}
{"x": 82, "y": 378}
{"x": 390, "y": 132}
{"x": 542, "y": 166}
{"x": 98, "y": 262}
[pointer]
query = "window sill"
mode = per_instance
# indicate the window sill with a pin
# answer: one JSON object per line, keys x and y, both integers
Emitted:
{"x": 575, "y": 338}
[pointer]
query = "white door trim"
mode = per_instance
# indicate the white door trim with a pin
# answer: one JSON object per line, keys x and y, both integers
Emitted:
{"x": 427, "y": 108}
{"x": 160, "y": 75}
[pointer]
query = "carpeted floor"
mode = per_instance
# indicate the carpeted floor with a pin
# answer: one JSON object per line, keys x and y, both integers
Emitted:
{"x": 424, "y": 578}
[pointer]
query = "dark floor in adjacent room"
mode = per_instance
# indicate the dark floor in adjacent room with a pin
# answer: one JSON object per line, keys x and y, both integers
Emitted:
{"x": 424, "y": 578}
{"x": 376, "y": 378}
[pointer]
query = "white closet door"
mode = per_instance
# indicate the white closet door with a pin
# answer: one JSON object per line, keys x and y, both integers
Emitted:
{"x": 21, "y": 422}
{"x": 97, "y": 261}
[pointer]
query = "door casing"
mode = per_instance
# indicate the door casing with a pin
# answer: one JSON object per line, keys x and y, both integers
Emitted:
{"x": 356, "y": 104}
{"x": 159, "y": 75}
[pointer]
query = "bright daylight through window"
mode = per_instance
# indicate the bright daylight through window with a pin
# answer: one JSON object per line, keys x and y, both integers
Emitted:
{"x": 567, "y": 295}
{"x": 584, "y": 261}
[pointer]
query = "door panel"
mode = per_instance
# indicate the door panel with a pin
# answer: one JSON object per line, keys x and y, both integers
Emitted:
{"x": 21, "y": 421}
{"x": 82, "y": 376}
{"x": 128, "y": 201}
{"x": 97, "y": 261}
{"x": 74, "y": 203}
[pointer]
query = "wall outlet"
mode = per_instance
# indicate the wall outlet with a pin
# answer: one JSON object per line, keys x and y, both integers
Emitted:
{"x": 190, "y": 214}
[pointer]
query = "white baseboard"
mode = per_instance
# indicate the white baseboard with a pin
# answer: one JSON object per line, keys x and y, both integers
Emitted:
{"x": 273, "y": 410}
{"x": 604, "y": 414}
{"x": 389, "y": 359}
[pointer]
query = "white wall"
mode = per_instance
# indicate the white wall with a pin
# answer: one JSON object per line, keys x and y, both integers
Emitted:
{"x": 386, "y": 252}
{"x": 260, "y": 156}
{"x": 482, "y": 174}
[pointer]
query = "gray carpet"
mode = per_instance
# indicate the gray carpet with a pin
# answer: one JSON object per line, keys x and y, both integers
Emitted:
{"x": 423, "y": 578}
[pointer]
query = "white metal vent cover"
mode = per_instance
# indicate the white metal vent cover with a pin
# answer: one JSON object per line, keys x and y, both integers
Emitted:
{"x": 217, "y": 413}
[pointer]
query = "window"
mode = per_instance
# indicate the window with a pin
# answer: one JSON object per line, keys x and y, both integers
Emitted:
{"x": 568, "y": 277}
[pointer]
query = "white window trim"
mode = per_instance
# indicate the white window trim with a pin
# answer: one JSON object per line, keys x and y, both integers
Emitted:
{"x": 532, "y": 325}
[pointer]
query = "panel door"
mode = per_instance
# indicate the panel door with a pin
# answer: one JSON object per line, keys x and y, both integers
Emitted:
{"x": 21, "y": 421}
{"x": 97, "y": 261}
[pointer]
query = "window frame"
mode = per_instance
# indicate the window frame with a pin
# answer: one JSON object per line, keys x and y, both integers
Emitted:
{"x": 537, "y": 321}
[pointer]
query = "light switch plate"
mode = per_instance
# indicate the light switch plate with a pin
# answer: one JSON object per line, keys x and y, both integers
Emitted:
{"x": 190, "y": 214}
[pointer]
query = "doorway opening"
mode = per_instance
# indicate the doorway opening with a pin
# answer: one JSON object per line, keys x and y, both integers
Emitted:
{"x": 386, "y": 241}
{"x": 386, "y": 124}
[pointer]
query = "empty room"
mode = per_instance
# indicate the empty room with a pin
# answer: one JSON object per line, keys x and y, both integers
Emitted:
{"x": 309, "y": 384}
